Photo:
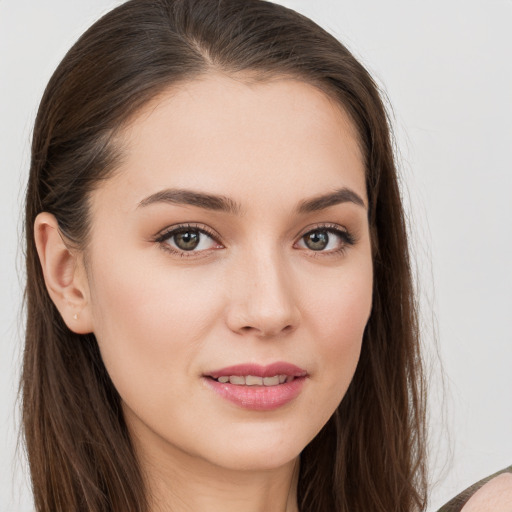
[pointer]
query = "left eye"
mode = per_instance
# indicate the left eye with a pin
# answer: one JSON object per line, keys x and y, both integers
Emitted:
{"x": 323, "y": 240}
{"x": 189, "y": 239}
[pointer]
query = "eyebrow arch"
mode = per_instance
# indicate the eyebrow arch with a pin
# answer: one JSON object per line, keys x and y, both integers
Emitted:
{"x": 342, "y": 195}
{"x": 193, "y": 198}
{"x": 226, "y": 204}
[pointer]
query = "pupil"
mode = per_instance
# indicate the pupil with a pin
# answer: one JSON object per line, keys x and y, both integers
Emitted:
{"x": 187, "y": 240}
{"x": 317, "y": 240}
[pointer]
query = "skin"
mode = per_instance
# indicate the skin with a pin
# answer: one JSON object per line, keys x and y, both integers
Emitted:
{"x": 254, "y": 293}
{"x": 495, "y": 496}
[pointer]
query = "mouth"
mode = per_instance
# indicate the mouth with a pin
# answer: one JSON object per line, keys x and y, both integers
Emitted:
{"x": 258, "y": 375}
{"x": 258, "y": 387}
{"x": 254, "y": 380}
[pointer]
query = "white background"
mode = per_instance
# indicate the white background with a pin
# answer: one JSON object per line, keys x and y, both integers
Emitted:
{"x": 446, "y": 68}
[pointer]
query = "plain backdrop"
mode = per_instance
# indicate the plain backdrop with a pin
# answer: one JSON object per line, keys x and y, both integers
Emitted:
{"x": 444, "y": 66}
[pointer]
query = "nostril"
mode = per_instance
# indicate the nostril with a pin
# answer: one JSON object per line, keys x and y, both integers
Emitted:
{"x": 267, "y": 332}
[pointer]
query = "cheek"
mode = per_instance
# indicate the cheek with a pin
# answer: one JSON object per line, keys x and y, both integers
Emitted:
{"x": 149, "y": 321}
{"x": 339, "y": 306}
{"x": 338, "y": 319}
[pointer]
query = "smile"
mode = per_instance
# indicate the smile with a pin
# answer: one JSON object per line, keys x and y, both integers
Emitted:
{"x": 253, "y": 380}
{"x": 255, "y": 387}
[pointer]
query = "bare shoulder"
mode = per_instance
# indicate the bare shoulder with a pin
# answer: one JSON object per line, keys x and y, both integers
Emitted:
{"x": 494, "y": 496}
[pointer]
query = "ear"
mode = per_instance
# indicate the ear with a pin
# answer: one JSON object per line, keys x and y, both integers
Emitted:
{"x": 64, "y": 274}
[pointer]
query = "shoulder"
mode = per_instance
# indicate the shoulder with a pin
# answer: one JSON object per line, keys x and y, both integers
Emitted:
{"x": 494, "y": 496}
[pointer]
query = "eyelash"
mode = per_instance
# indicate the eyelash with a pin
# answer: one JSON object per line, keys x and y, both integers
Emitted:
{"x": 347, "y": 239}
{"x": 168, "y": 233}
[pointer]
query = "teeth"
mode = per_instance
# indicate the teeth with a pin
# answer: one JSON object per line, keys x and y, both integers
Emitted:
{"x": 271, "y": 381}
{"x": 252, "y": 380}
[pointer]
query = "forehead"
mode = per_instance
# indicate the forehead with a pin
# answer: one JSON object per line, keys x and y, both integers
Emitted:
{"x": 226, "y": 135}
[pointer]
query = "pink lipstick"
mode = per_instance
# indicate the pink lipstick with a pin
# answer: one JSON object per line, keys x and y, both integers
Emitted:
{"x": 256, "y": 387}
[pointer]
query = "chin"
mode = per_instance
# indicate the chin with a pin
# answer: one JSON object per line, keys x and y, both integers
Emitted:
{"x": 255, "y": 461}
{"x": 258, "y": 453}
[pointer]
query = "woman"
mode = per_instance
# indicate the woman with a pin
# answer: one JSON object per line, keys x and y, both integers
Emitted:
{"x": 219, "y": 297}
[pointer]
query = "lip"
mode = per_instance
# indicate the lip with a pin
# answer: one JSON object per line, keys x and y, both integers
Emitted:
{"x": 258, "y": 398}
{"x": 278, "y": 368}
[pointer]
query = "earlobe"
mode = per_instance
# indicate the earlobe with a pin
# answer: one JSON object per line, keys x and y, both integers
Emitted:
{"x": 64, "y": 274}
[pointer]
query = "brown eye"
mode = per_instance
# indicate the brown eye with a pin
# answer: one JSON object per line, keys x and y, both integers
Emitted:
{"x": 316, "y": 240}
{"x": 326, "y": 239}
{"x": 187, "y": 240}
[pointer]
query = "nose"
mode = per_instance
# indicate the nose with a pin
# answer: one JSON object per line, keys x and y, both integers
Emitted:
{"x": 263, "y": 299}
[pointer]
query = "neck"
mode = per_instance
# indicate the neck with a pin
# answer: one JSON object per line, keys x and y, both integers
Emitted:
{"x": 185, "y": 484}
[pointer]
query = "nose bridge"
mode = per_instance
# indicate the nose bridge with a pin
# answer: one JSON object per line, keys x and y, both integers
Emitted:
{"x": 264, "y": 300}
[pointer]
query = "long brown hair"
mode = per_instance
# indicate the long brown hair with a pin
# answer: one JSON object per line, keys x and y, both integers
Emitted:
{"x": 370, "y": 456}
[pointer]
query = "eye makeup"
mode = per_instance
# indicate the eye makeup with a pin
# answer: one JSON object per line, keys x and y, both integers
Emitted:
{"x": 193, "y": 240}
{"x": 316, "y": 239}
{"x": 189, "y": 240}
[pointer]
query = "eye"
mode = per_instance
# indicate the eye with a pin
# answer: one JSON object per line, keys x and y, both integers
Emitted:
{"x": 326, "y": 239}
{"x": 187, "y": 239}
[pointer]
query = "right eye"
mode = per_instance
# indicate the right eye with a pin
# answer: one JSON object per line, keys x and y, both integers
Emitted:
{"x": 187, "y": 239}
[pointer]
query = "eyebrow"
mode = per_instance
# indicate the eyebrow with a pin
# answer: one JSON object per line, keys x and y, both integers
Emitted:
{"x": 226, "y": 204}
{"x": 193, "y": 198}
{"x": 340, "y": 196}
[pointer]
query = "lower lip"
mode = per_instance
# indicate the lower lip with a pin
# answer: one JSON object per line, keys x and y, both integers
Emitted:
{"x": 258, "y": 398}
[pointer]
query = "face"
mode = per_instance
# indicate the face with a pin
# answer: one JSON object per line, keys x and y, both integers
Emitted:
{"x": 230, "y": 270}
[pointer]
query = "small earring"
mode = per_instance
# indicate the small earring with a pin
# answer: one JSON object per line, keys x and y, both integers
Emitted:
{"x": 75, "y": 316}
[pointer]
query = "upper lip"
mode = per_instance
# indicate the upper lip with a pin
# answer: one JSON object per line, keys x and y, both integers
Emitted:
{"x": 278, "y": 368}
